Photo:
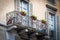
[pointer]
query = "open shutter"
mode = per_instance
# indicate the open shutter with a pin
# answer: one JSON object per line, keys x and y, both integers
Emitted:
{"x": 30, "y": 9}
{"x": 17, "y": 2}
{"x": 30, "y": 13}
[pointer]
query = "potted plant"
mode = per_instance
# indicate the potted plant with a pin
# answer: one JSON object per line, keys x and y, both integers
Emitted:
{"x": 33, "y": 17}
{"x": 43, "y": 21}
{"x": 9, "y": 21}
{"x": 23, "y": 13}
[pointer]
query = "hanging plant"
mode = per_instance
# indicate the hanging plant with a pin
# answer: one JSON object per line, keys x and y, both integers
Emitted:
{"x": 23, "y": 13}
{"x": 43, "y": 21}
{"x": 33, "y": 17}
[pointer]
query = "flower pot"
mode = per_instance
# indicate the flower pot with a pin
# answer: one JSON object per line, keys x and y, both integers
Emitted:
{"x": 23, "y": 13}
{"x": 43, "y": 21}
{"x": 33, "y": 18}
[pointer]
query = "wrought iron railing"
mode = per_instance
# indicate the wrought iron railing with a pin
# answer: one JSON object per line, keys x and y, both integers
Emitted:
{"x": 17, "y": 18}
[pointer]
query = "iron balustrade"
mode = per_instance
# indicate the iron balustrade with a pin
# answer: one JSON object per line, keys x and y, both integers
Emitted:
{"x": 17, "y": 18}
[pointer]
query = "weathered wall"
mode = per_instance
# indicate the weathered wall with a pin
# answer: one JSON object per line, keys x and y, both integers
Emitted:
{"x": 39, "y": 8}
{"x": 5, "y": 7}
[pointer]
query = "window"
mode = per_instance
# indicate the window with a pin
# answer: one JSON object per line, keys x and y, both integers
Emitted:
{"x": 24, "y": 6}
{"x": 51, "y": 20}
{"x": 51, "y": 2}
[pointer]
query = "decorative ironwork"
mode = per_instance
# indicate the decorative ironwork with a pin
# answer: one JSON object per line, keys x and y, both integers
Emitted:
{"x": 17, "y": 18}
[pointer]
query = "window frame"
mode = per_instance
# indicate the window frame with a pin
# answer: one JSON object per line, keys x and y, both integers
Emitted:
{"x": 55, "y": 28}
{"x": 52, "y": 3}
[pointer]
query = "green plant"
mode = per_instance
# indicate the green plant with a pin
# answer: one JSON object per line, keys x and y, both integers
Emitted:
{"x": 23, "y": 13}
{"x": 33, "y": 17}
{"x": 43, "y": 21}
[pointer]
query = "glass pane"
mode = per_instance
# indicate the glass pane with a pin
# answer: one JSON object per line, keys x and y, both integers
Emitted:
{"x": 24, "y": 6}
{"x": 23, "y": 9}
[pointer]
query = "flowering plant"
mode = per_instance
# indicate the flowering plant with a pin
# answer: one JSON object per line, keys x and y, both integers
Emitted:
{"x": 43, "y": 21}
{"x": 33, "y": 17}
{"x": 23, "y": 13}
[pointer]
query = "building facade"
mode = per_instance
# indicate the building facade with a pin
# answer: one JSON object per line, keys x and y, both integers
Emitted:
{"x": 42, "y": 9}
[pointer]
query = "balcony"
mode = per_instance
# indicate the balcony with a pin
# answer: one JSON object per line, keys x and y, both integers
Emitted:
{"x": 25, "y": 23}
{"x": 26, "y": 27}
{"x": 16, "y": 18}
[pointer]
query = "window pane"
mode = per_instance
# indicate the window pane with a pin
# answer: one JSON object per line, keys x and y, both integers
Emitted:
{"x": 24, "y": 6}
